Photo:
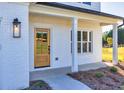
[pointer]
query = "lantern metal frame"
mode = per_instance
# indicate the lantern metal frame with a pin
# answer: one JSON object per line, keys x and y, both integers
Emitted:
{"x": 17, "y": 24}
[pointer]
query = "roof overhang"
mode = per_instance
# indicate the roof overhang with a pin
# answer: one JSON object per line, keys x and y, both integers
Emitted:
{"x": 59, "y": 5}
{"x": 58, "y": 9}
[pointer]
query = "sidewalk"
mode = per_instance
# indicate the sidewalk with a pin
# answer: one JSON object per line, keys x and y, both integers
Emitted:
{"x": 64, "y": 82}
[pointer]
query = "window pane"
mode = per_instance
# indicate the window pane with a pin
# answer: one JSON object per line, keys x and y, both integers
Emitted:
{"x": 84, "y": 36}
{"x": 71, "y": 35}
{"x": 90, "y": 36}
{"x": 84, "y": 47}
{"x": 79, "y": 35}
{"x": 88, "y": 3}
{"x": 79, "y": 47}
{"x": 90, "y": 47}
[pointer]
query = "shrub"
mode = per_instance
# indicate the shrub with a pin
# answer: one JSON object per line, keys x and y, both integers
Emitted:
{"x": 113, "y": 69}
{"x": 110, "y": 60}
{"x": 99, "y": 74}
{"x": 119, "y": 60}
{"x": 39, "y": 84}
{"x": 103, "y": 60}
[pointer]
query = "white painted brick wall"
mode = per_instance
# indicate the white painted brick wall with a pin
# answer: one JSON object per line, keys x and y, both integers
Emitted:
{"x": 14, "y": 52}
{"x": 60, "y": 36}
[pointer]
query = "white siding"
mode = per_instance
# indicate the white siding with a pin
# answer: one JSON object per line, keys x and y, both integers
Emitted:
{"x": 60, "y": 40}
{"x": 14, "y": 52}
{"x": 94, "y": 5}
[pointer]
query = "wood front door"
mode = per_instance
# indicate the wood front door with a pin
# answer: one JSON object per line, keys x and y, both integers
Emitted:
{"x": 42, "y": 47}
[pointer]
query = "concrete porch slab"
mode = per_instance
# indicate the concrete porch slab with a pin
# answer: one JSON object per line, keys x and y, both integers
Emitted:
{"x": 62, "y": 71}
{"x": 58, "y": 79}
{"x": 64, "y": 82}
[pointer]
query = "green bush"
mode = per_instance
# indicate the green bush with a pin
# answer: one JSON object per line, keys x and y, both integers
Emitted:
{"x": 40, "y": 84}
{"x": 113, "y": 69}
{"x": 99, "y": 74}
{"x": 119, "y": 60}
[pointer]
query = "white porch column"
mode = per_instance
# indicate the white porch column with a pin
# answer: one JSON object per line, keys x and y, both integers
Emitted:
{"x": 115, "y": 44}
{"x": 74, "y": 45}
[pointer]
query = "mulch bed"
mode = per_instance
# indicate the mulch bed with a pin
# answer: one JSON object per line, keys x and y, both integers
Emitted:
{"x": 121, "y": 65}
{"x": 109, "y": 80}
{"x": 38, "y": 85}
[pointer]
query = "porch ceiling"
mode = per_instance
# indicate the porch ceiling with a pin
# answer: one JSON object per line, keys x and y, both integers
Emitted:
{"x": 49, "y": 10}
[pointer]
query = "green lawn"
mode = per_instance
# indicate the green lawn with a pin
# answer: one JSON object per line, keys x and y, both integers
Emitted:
{"x": 107, "y": 54}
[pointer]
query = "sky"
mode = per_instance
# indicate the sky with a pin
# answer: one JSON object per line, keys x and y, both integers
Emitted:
{"x": 115, "y": 8}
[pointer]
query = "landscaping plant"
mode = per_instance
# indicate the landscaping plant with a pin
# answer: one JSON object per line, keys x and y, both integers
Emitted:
{"x": 99, "y": 74}
{"x": 113, "y": 69}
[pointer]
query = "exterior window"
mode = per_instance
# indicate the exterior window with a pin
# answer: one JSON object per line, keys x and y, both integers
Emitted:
{"x": 84, "y": 41}
{"x": 88, "y": 3}
{"x": 79, "y": 41}
{"x": 84, "y": 44}
{"x": 71, "y": 41}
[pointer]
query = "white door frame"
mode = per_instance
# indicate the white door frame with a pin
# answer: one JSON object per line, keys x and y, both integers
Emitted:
{"x": 32, "y": 31}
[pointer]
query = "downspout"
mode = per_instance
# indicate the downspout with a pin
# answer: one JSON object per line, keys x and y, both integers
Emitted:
{"x": 118, "y": 28}
{"x": 121, "y": 24}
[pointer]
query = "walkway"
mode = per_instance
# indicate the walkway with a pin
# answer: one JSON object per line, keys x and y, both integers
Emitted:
{"x": 64, "y": 82}
{"x": 58, "y": 79}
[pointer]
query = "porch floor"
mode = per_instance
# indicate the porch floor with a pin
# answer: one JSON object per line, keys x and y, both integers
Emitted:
{"x": 58, "y": 79}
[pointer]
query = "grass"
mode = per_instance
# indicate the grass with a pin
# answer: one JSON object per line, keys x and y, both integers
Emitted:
{"x": 107, "y": 54}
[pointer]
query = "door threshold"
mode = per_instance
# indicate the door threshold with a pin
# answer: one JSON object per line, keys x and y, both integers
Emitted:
{"x": 41, "y": 67}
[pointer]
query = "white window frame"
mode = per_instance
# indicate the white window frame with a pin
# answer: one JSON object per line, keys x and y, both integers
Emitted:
{"x": 88, "y": 31}
{"x": 88, "y": 41}
{"x": 0, "y": 20}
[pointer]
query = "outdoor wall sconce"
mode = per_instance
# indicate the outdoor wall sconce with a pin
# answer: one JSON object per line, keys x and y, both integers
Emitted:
{"x": 16, "y": 28}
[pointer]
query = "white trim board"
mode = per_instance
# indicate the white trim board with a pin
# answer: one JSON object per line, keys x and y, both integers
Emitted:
{"x": 1, "y": 19}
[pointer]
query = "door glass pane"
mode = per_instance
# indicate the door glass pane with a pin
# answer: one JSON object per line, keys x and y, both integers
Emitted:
{"x": 79, "y": 47}
{"x": 84, "y": 36}
{"x": 41, "y": 39}
{"x": 84, "y": 47}
{"x": 44, "y": 46}
{"x": 38, "y": 42}
{"x": 79, "y": 35}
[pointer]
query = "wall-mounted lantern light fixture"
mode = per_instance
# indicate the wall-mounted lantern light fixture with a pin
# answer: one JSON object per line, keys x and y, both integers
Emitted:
{"x": 16, "y": 28}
